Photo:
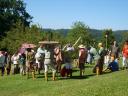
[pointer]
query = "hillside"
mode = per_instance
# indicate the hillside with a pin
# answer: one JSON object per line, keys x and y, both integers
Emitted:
{"x": 94, "y": 32}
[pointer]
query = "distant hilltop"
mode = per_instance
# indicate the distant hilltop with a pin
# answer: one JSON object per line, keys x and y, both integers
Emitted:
{"x": 94, "y": 32}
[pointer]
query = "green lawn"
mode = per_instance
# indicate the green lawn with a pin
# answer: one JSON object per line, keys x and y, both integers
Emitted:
{"x": 108, "y": 84}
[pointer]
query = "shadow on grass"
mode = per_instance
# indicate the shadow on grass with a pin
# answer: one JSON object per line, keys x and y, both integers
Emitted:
{"x": 58, "y": 76}
{"x": 83, "y": 77}
{"x": 89, "y": 66}
{"x": 75, "y": 70}
{"x": 107, "y": 72}
{"x": 76, "y": 77}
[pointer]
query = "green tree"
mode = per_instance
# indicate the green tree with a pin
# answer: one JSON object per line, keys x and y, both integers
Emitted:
{"x": 125, "y": 36}
{"x": 12, "y": 42}
{"x": 12, "y": 11}
{"x": 79, "y": 29}
{"x": 54, "y": 35}
{"x": 107, "y": 38}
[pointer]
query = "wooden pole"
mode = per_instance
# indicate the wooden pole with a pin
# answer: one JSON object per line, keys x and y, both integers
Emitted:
{"x": 77, "y": 41}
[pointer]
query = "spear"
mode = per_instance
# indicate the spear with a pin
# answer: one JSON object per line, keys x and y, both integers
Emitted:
{"x": 73, "y": 44}
{"x": 77, "y": 41}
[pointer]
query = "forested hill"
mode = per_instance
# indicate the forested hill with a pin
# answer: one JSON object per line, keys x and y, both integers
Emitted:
{"x": 98, "y": 33}
{"x": 94, "y": 32}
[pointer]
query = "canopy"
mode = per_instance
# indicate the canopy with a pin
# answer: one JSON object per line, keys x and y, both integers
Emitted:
{"x": 49, "y": 42}
{"x": 27, "y": 45}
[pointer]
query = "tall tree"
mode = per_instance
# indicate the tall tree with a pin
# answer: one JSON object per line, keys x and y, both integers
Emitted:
{"x": 12, "y": 11}
{"x": 55, "y": 35}
{"x": 107, "y": 38}
{"x": 13, "y": 41}
{"x": 79, "y": 29}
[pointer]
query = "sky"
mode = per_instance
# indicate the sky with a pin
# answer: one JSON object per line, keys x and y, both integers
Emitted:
{"x": 97, "y": 14}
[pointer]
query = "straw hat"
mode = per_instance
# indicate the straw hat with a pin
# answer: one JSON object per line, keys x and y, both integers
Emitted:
{"x": 81, "y": 46}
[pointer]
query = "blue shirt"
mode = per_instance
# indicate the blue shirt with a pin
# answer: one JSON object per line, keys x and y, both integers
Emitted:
{"x": 113, "y": 66}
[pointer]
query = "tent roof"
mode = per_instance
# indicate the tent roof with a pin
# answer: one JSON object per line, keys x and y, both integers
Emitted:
{"x": 48, "y": 42}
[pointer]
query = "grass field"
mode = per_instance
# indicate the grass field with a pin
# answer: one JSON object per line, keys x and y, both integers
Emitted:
{"x": 108, "y": 84}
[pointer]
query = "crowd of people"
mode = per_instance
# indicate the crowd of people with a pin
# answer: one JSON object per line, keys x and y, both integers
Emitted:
{"x": 60, "y": 60}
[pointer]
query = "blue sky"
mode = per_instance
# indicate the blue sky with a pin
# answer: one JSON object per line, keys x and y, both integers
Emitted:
{"x": 97, "y": 14}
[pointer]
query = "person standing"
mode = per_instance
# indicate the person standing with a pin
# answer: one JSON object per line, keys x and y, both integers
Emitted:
{"x": 48, "y": 62}
{"x": 39, "y": 56}
{"x": 82, "y": 58}
{"x": 115, "y": 50}
{"x": 8, "y": 62}
{"x": 58, "y": 58}
{"x": 22, "y": 61}
{"x": 100, "y": 60}
{"x": 89, "y": 56}
{"x": 107, "y": 59}
{"x": 2, "y": 62}
{"x": 29, "y": 62}
{"x": 15, "y": 59}
{"x": 125, "y": 55}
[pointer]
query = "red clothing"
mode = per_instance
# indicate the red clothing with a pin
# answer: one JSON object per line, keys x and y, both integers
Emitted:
{"x": 125, "y": 51}
{"x": 82, "y": 55}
